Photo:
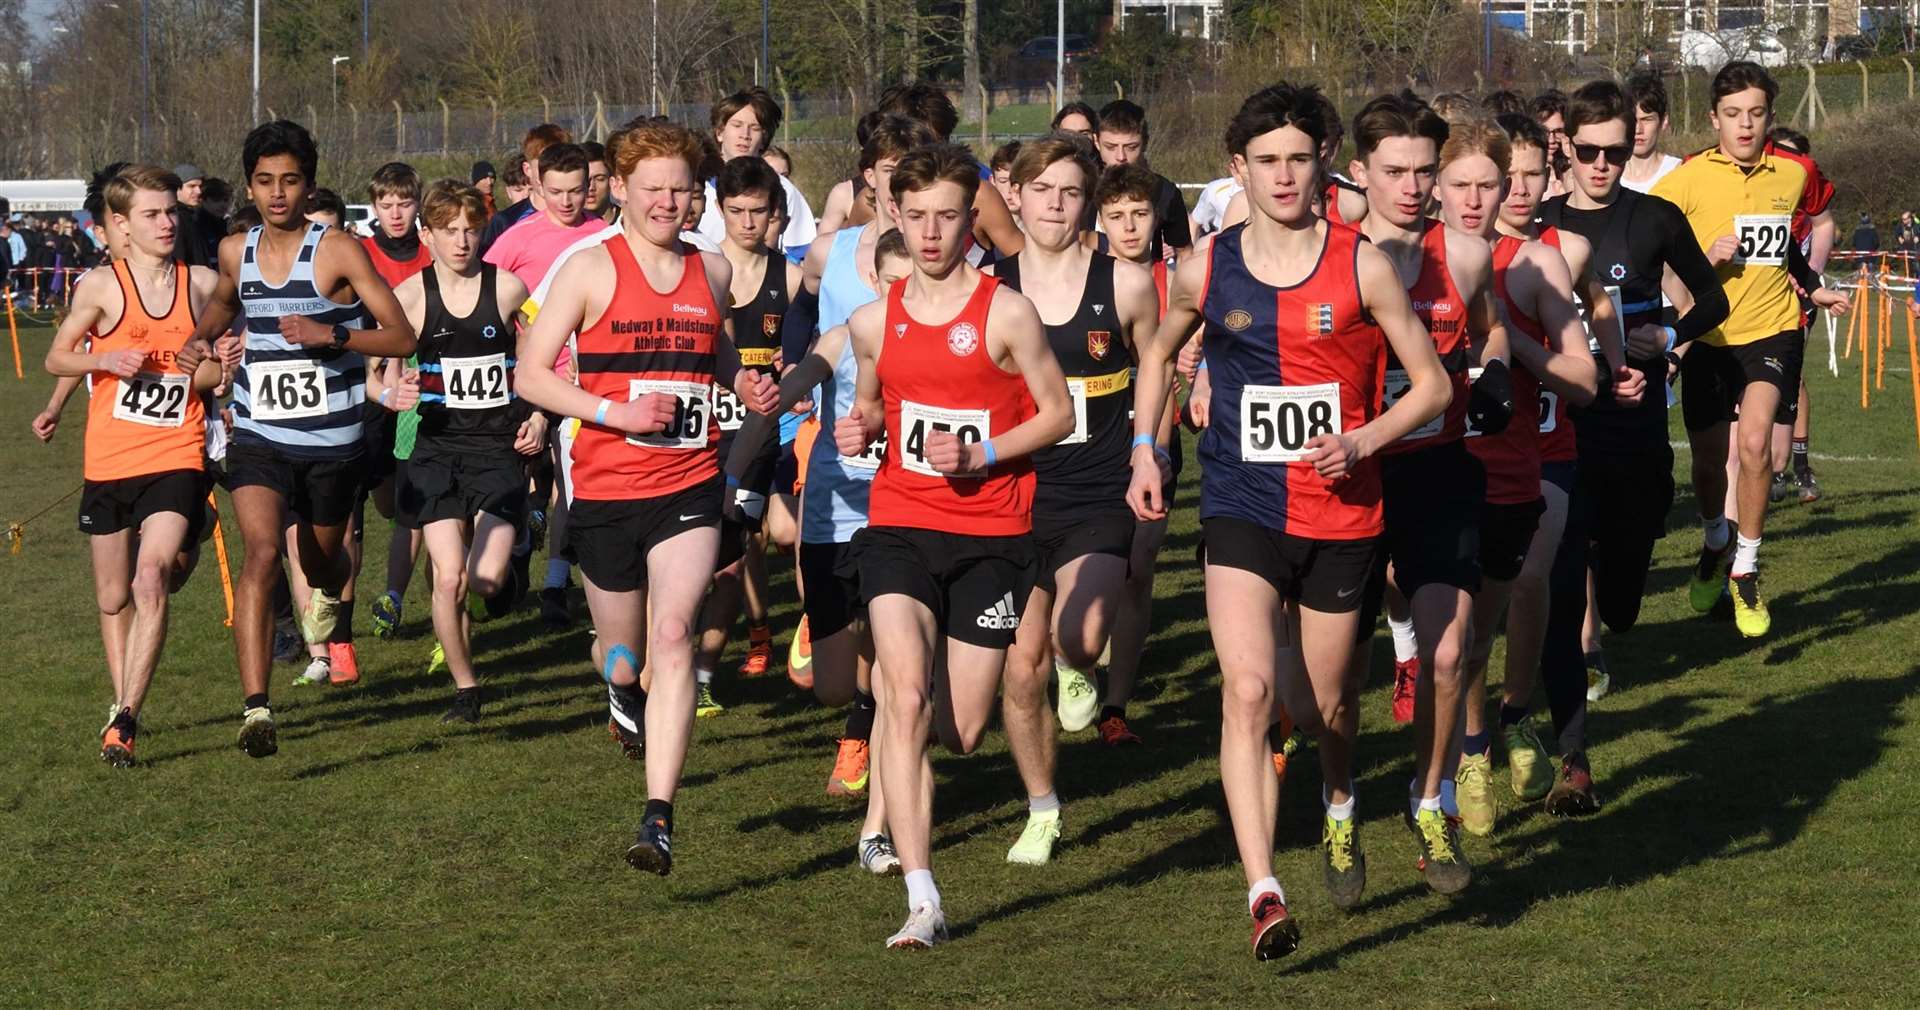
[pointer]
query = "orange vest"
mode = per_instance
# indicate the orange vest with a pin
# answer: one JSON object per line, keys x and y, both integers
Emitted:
{"x": 153, "y": 422}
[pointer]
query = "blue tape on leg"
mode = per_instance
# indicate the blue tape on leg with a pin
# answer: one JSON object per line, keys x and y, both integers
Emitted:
{"x": 614, "y": 655}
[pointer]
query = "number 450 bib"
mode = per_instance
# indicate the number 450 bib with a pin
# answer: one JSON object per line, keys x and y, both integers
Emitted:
{"x": 918, "y": 421}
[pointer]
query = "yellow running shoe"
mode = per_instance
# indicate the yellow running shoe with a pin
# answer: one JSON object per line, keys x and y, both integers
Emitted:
{"x": 1528, "y": 762}
{"x": 704, "y": 705}
{"x": 1709, "y": 577}
{"x": 1749, "y": 610}
{"x": 1473, "y": 786}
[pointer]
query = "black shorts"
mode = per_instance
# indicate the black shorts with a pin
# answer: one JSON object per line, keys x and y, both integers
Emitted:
{"x": 1625, "y": 499}
{"x": 786, "y": 469}
{"x": 610, "y": 540}
{"x": 1714, "y": 379}
{"x": 1560, "y": 473}
{"x": 756, "y": 483}
{"x": 456, "y": 485}
{"x": 378, "y": 429}
{"x": 1432, "y": 499}
{"x": 975, "y": 586}
{"x": 831, "y": 599}
{"x": 1505, "y": 533}
{"x": 319, "y": 492}
{"x": 1059, "y": 538}
{"x": 1329, "y": 576}
{"x": 109, "y": 506}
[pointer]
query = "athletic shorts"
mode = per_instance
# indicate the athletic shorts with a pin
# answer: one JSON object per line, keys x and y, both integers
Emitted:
{"x": 610, "y": 540}
{"x": 1560, "y": 473}
{"x": 756, "y": 484}
{"x": 438, "y": 486}
{"x": 319, "y": 492}
{"x": 1505, "y": 533}
{"x": 1058, "y": 539}
{"x": 975, "y": 586}
{"x": 1432, "y": 500}
{"x": 109, "y": 506}
{"x": 1329, "y": 576}
{"x": 1714, "y": 379}
{"x": 1627, "y": 499}
{"x": 377, "y": 430}
{"x": 832, "y": 600}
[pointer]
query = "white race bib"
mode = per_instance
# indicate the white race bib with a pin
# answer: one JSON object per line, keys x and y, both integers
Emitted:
{"x": 155, "y": 399}
{"x": 1473, "y": 375}
{"x": 286, "y": 390}
{"x": 728, "y": 412}
{"x": 1764, "y": 238}
{"x": 1277, "y": 421}
{"x": 1398, "y": 385}
{"x": 478, "y": 383}
{"x": 871, "y": 457}
{"x": 691, "y": 409}
{"x": 1077, "y": 391}
{"x": 917, "y": 421}
{"x": 1549, "y": 407}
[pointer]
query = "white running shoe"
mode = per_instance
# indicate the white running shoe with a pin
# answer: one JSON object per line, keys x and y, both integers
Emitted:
{"x": 925, "y": 926}
{"x": 1035, "y": 847}
{"x": 319, "y": 671}
{"x": 1079, "y": 699}
{"x": 877, "y": 856}
{"x": 256, "y": 733}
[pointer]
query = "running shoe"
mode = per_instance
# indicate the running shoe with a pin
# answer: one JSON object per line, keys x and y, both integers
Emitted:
{"x": 1275, "y": 934}
{"x": 849, "y": 776}
{"x": 386, "y": 614}
{"x": 553, "y": 607}
{"x": 1809, "y": 487}
{"x": 1709, "y": 576}
{"x": 437, "y": 660}
{"x": 1079, "y": 700}
{"x": 925, "y": 926}
{"x": 800, "y": 657}
{"x": 1406, "y": 676}
{"x": 536, "y": 529}
{"x": 652, "y": 848}
{"x": 627, "y": 720}
{"x": 1285, "y": 754}
{"x": 704, "y": 704}
{"x": 1599, "y": 681}
{"x": 256, "y": 733}
{"x": 287, "y": 643}
{"x": 1749, "y": 610}
{"x": 319, "y": 671}
{"x": 759, "y": 652}
{"x": 1572, "y": 794}
{"x": 1528, "y": 763}
{"x": 877, "y": 856}
{"x": 500, "y": 604}
{"x": 465, "y": 707}
{"x": 1114, "y": 732}
{"x": 1442, "y": 861}
{"x": 113, "y": 712}
{"x": 1782, "y": 486}
{"x": 318, "y": 619}
{"x": 1343, "y": 867}
{"x": 116, "y": 744}
{"x": 1473, "y": 785}
{"x": 1035, "y": 847}
{"x": 344, "y": 663}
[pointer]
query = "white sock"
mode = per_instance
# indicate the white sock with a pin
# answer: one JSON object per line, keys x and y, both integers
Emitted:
{"x": 1746, "y": 555}
{"x": 1405, "y": 646}
{"x": 920, "y": 890}
{"x": 1048, "y": 804}
{"x": 1717, "y": 532}
{"x": 1430, "y": 803}
{"x": 1263, "y": 886}
{"x": 1338, "y": 811}
{"x": 556, "y": 573}
{"x": 702, "y": 677}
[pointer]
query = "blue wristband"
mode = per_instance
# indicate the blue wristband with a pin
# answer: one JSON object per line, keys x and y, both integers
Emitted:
{"x": 600, "y": 416}
{"x": 1203, "y": 365}
{"x": 992, "y": 456}
{"x": 1140, "y": 440}
{"x": 1673, "y": 337}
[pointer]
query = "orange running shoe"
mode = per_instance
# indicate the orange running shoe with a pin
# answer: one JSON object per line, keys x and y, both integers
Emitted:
{"x": 849, "y": 776}
{"x": 759, "y": 651}
{"x": 800, "y": 657}
{"x": 1405, "y": 676}
{"x": 1282, "y": 730}
{"x": 116, "y": 744}
{"x": 1114, "y": 732}
{"x": 346, "y": 665}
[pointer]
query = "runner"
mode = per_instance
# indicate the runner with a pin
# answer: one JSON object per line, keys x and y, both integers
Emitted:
{"x": 465, "y": 490}
{"x": 1297, "y": 316}
{"x": 993, "y": 229}
{"x": 1549, "y": 109}
{"x": 144, "y": 502}
{"x": 1648, "y": 165}
{"x": 1076, "y": 117}
{"x": 1001, "y": 165}
{"x": 946, "y": 559}
{"x": 528, "y": 249}
{"x": 1121, "y": 139}
{"x": 1739, "y": 199}
{"x": 1082, "y": 529}
{"x": 1793, "y": 423}
{"x": 299, "y": 384}
{"x": 744, "y": 124}
{"x": 599, "y": 184}
{"x": 524, "y": 174}
{"x": 646, "y": 496}
{"x": 1623, "y": 481}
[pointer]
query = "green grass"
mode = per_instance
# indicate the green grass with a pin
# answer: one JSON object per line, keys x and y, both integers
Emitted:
{"x": 1755, "y": 847}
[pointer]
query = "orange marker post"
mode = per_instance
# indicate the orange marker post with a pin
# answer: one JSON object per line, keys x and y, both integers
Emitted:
{"x": 1913, "y": 371}
{"x": 220, "y": 552}
{"x": 13, "y": 331}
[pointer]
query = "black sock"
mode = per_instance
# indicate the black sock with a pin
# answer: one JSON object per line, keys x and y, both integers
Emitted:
{"x": 343, "y": 625}
{"x": 1112, "y": 712}
{"x": 1597, "y": 660}
{"x": 1276, "y": 739}
{"x": 256, "y": 700}
{"x": 658, "y": 808}
{"x": 1800, "y": 463}
{"x": 128, "y": 723}
{"x": 1512, "y": 715}
{"x": 860, "y": 720}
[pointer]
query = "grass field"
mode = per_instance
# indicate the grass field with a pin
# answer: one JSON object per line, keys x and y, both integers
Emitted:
{"x": 1754, "y": 849}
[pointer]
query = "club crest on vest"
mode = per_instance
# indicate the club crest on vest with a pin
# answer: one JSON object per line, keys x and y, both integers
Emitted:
{"x": 962, "y": 338}
{"x": 1098, "y": 343}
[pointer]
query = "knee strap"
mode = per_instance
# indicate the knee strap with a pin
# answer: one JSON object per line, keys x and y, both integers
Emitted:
{"x": 614, "y": 655}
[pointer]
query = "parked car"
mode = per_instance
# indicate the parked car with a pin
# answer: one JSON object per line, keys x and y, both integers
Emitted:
{"x": 1043, "y": 47}
{"x": 1711, "y": 50}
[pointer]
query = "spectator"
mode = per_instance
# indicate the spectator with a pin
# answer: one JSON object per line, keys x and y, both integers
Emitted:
{"x": 13, "y": 248}
{"x": 483, "y": 181}
{"x": 1866, "y": 238}
{"x": 197, "y": 236}
{"x": 1906, "y": 236}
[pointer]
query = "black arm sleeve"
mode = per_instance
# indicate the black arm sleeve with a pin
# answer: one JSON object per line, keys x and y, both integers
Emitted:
{"x": 1681, "y": 252}
{"x": 754, "y": 431}
{"x": 1803, "y": 272}
{"x": 796, "y": 330}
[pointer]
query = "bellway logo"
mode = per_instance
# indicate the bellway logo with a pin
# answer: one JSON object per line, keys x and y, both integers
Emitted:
{"x": 1000, "y": 616}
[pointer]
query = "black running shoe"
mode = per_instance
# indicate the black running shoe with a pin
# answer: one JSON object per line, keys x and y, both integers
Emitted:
{"x": 465, "y": 707}
{"x": 553, "y": 608}
{"x": 627, "y": 720}
{"x": 652, "y": 848}
{"x": 536, "y": 529}
{"x": 1572, "y": 794}
{"x": 500, "y": 604}
{"x": 1782, "y": 486}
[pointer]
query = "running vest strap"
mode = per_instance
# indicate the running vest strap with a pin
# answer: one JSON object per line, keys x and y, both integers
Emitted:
{"x": 1444, "y": 313}
{"x": 395, "y": 260}
{"x": 835, "y": 505}
{"x": 152, "y": 422}
{"x": 1092, "y": 466}
{"x": 467, "y": 402}
{"x": 1288, "y": 364}
{"x": 1556, "y": 425}
{"x": 304, "y": 401}
{"x": 650, "y": 341}
{"x": 1334, "y": 186}
{"x": 1512, "y": 457}
{"x": 941, "y": 378}
{"x": 756, "y": 334}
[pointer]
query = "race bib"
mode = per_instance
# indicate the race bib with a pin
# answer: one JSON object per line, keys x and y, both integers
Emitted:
{"x": 871, "y": 457}
{"x": 286, "y": 390}
{"x": 1764, "y": 238}
{"x": 1276, "y": 422}
{"x": 1077, "y": 391}
{"x": 728, "y": 412}
{"x": 476, "y": 383}
{"x": 1398, "y": 385}
{"x": 1473, "y": 375}
{"x": 691, "y": 411}
{"x": 155, "y": 399}
{"x": 917, "y": 421}
{"x": 1549, "y": 408}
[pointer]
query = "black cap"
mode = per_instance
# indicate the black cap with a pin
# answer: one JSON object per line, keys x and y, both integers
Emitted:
{"x": 482, "y": 170}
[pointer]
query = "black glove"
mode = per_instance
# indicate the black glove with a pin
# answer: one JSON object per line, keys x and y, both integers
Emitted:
{"x": 1490, "y": 401}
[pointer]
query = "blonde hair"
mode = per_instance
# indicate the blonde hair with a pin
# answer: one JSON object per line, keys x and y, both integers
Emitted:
{"x": 120, "y": 189}
{"x": 1477, "y": 136}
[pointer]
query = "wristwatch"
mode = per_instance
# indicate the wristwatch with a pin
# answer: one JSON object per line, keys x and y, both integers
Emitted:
{"x": 340, "y": 335}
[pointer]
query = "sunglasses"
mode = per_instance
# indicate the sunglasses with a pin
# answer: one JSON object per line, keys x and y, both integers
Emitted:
{"x": 1616, "y": 156}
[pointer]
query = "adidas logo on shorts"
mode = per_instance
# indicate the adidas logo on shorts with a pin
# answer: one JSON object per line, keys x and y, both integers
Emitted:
{"x": 1000, "y": 616}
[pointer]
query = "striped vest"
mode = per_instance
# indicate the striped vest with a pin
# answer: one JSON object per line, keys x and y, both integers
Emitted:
{"x": 303, "y": 401}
